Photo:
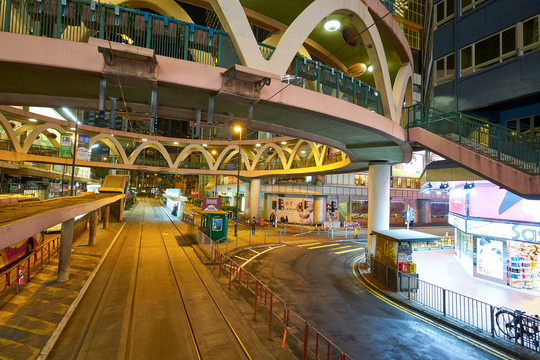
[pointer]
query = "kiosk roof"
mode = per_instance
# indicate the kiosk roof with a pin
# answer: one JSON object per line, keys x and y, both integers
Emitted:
{"x": 404, "y": 235}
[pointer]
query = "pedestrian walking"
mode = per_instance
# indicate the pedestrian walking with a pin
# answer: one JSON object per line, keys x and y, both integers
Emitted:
{"x": 286, "y": 221}
{"x": 253, "y": 225}
{"x": 355, "y": 232}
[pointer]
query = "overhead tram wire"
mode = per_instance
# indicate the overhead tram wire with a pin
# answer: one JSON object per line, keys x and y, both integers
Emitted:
{"x": 294, "y": 82}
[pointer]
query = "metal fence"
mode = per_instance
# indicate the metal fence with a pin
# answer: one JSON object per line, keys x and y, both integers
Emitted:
{"x": 301, "y": 337}
{"x": 23, "y": 270}
{"x": 512, "y": 325}
{"x": 515, "y": 149}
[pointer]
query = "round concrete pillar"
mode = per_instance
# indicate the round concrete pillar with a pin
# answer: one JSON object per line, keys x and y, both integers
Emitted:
{"x": 319, "y": 210}
{"x": 254, "y": 195}
{"x": 378, "y": 201}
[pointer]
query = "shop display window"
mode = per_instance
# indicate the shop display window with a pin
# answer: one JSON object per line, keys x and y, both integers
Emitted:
{"x": 523, "y": 267}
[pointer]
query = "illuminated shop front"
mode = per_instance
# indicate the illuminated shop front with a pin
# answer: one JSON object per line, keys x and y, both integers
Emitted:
{"x": 497, "y": 235}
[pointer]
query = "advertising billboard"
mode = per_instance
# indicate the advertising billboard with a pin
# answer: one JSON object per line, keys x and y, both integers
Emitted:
{"x": 411, "y": 170}
{"x": 83, "y": 147}
{"x": 457, "y": 201}
{"x": 298, "y": 210}
{"x": 490, "y": 258}
{"x": 492, "y": 202}
{"x": 65, "y": 145}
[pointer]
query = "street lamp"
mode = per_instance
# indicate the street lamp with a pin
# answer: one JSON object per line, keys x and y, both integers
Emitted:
{"x": 238, "y": 129}
{"x": 74, "y": 157}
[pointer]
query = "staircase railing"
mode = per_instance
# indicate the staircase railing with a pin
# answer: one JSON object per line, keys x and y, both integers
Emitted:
{"x": 521, "y": 151}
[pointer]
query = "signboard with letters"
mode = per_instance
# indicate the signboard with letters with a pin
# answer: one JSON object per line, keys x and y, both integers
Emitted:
{"x": 65, "y": 145}
{"x": 83, "y": 147}
{"x": 211, "y": 204}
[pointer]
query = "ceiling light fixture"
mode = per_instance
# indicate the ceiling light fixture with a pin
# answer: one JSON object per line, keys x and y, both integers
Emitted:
{"x": 332, "y": 25}
{"x": 32, "y": 120}
{"x": 370, "y": 68}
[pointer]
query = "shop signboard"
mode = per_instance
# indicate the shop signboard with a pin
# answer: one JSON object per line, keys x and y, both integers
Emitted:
{"x": 211, "y": 204}
{"x": 491, "y": 202}
{"x": 83, "y": 147}
{"x": 65, "y": 145}
{"x": 457, "y": 201}
{"x": 510, "y": 231}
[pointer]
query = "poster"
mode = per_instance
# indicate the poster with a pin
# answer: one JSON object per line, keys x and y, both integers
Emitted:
{"x": 298, "y": 210}
{"x": 65, "y": 145}
{"x": 83, "y": 147}
{"x": 490, "y": 258}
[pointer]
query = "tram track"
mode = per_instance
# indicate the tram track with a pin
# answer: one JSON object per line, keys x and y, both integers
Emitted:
{"x": 183, "y": 303}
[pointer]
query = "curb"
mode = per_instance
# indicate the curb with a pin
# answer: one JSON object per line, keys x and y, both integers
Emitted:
{"x": 517, "y": 351}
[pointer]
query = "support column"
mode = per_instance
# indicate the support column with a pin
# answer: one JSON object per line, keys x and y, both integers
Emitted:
{"x": 423, "y": 211}
{"x": 319, "y": 210}
{"x": 378, "y": 201}
{"x": 65, "y": 250}
{"x": 93, "y": 228}
{"x": 254, "y": 196}
{"x": 106, "y": 217}
{"x": 113, "y": 113}
{"x": 121, "y": 210}
{"x": 266, "y": 215}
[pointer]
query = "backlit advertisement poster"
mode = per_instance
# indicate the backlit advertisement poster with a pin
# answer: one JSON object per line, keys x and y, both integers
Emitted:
{"x": 83, "y": 147}
{"x": 490, "y": 258}
{"x": 298, "y": 210}
{"x": 65, "y": 145}
{"x": 457, "y": 201}
{"x": 491, "y": 202}
{"x": 411, "y": 170}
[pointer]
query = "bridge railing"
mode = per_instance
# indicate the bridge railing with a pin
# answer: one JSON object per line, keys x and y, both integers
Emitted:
{"x": 78, "y": 20}
{"x": 521, "y": 151}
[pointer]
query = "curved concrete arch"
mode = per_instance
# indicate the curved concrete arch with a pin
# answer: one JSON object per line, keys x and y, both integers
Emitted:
{"x": 279, "y": 152}
{"x": 314, "y": 151}
{"x": 224, "y": 153}
{"x": 25, "y": 128}
{"x": 35, "y": 133}
{"x": 12, "y": 137}
{"x": 112, "y": 143}
{"x": 299, "y": 31}
{"x": 150, "y": 144}
{"x": 402, "y": 91}
{"x": 192, "y": 148}
{"x": 232, "y": 150}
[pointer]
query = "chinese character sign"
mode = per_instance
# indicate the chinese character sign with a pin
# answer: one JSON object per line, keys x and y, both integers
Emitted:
{"x": 211, "y": 204}
{"x": 65, "y": 145}
{"x": 83, "y": 147}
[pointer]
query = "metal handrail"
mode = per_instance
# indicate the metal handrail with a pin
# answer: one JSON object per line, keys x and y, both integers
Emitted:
{"x": 168, "y": 37}
{"x": 521, "y": 151}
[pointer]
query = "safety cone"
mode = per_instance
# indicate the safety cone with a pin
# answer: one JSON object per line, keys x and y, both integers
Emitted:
{"x": 20, "y": 276}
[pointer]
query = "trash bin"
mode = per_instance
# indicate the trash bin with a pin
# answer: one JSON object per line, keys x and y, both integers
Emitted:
{"x": 261, "y": 222}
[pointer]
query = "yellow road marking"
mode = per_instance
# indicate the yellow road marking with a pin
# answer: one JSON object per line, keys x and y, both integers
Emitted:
{"x": 322, "y": 246}
{"x": 308, "y": 244}
{"x": 346, "y": 251}
{"x": 456, "y": 334}
{"x": 26, "y": 323}
{"x": 342, "y": 247}
{"x": 16, "y": 347}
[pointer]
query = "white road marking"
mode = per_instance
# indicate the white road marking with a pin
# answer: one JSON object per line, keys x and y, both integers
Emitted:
{"x": 259, "y": 254}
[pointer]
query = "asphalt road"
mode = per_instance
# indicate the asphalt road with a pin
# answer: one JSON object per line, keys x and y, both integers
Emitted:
{"x": 320, "y": 285}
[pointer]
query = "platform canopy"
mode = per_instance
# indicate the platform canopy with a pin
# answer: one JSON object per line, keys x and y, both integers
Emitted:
{"x": 404, "y": 235}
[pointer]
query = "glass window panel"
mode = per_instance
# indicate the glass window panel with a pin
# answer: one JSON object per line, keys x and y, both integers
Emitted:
{"x": 530, "y": 31}
{"x": 440, "y": 11}
{"x": 525, "y": 124}
{"x": 466, "y": 57}
{"x": 450, "y": 68}
{"x": 449, "y": 8}
{"x": 509, "y": 40}
{"x": 440, "y": 69}
{"x": 511, "y": 124}
{"x": 465, "y": 3}
{"x": 486, "y": 50}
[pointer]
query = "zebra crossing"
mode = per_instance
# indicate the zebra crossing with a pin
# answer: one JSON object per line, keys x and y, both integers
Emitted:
{"x": 336, "y": 248}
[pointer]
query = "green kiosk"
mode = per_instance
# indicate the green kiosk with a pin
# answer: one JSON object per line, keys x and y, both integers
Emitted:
{"x": 214, "y": 225}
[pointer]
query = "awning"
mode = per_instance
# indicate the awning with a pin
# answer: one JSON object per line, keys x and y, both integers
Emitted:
{"x": 404, "y": 235}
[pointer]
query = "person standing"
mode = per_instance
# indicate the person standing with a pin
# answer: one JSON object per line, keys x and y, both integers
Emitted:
{"x": 286, "y": 221}
{"x": 356, "y": 232}
{"x": 253, "y": 225}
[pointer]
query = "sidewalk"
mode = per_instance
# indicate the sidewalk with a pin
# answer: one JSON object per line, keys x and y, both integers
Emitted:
{"x": 442, "y": 268}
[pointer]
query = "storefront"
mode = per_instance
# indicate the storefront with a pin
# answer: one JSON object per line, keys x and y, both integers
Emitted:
{"x": 497, "y": 235}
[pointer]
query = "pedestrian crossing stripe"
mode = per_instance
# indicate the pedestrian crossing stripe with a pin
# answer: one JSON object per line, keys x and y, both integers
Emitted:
{"x": 346, "y": 251}
{"x": 322, "y": 246}
{"x": 308, "y": 244}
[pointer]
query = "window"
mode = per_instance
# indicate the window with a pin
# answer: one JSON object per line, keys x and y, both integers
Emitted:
{"x": 467, "y": 5}
{"x": 444, "y": 69}
{"x": 444, "y": 11}
{"x": 486, "y": 52}
{"x": 530, "y": 34}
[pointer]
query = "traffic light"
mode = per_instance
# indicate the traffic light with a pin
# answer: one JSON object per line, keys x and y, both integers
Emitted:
{"x": 273, "y": 205}
{"x": 333, "y": 206}
{"x": 328, "y": 207}
{"x": 280, "y": 204}
{"x": 305, "y": 204}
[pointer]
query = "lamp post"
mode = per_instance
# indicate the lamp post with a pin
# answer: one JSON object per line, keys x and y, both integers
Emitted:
{"x": 238, "y": 129}
{"x": 74, "y": 157}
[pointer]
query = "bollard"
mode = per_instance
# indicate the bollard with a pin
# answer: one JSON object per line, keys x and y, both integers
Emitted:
{"x": 318, "y": 231}
{"x": 409, "y": 287}
{"x": 302, "y": 230}
{"x": 345, "y": 233}
{"x": 237, "y": 241}
{"x": 280, "y": 236}
{"x": 265, "y": 233}
{"x": 332, "y": 234}
{"x": 249, "y": 239}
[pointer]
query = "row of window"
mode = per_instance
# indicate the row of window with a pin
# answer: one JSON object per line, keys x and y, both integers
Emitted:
{"x": 496, "y": 48}
{"x": 444, "y": 10}
{"x": 395, "y": 182}
{"x": 529, "y": 125}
